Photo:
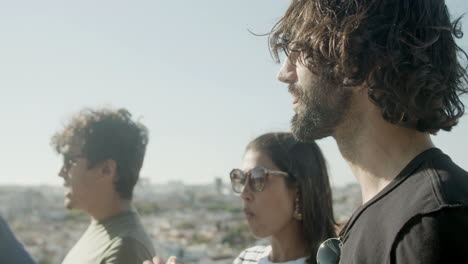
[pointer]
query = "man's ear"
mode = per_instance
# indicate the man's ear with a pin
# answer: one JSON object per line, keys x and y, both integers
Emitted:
{"x": 109, "y": 168}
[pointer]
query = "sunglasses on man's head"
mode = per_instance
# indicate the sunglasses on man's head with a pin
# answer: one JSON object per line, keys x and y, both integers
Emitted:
{"x": 255, "y": 178}
{"x": 329, "y": 251}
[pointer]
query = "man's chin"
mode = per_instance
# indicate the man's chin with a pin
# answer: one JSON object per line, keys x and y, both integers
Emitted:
{"x": 307, "y": 131}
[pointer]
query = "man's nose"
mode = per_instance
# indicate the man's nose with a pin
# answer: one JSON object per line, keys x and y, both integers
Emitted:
{"x": 62, "y": 172}
{"x": 287, "y": 72}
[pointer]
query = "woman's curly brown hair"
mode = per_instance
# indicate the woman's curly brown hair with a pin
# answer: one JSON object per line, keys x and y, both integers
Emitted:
{"x": 404, "y": 51}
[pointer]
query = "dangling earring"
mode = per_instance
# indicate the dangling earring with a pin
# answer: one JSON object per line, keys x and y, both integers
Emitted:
{"x": 297, "y": 210}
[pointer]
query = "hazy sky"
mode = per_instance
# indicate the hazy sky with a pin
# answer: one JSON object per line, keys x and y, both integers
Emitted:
{"x": 191, "y": 71}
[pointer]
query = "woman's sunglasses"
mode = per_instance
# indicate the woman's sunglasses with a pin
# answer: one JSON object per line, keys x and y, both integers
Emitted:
{"x": 255, "y": 178}
{"x": 329, "y": 251}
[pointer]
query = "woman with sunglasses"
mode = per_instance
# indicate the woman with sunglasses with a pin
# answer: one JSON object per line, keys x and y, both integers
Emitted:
{"x": 286, "y": 194}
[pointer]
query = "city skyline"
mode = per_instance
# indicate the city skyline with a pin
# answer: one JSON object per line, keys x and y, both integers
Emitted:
{"x": 191, "y": 71}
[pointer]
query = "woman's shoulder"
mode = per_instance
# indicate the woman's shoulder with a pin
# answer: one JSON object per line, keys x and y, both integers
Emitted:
{"x": 252, "y": 255}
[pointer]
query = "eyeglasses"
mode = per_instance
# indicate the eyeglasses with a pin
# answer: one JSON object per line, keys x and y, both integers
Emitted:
{"x": 69, "y": 161}
{"x": 255, "y": 178}
{"x": 329, "y": 251}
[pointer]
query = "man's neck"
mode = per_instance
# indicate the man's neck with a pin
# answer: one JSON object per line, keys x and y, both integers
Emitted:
{"x": 109, "y": 209}
{"x": 377, "y": 150}
{"x": 288, "y": 244}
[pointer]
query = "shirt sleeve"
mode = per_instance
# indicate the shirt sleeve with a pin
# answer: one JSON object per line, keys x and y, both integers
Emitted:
{"x": 434, "y": 238}
{"x": 126, "y": 251}
{"x": 11, "y": 250}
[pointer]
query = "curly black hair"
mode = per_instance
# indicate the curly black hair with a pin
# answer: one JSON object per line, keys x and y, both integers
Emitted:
{"x": 404, "y": 51}
{"x": 107, "y": 134}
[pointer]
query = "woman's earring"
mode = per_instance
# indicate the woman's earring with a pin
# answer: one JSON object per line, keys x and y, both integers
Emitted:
{"x": 297, "y": 210}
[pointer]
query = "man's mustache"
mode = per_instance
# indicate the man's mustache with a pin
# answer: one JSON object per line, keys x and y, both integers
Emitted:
{"x": 295, "y": 90}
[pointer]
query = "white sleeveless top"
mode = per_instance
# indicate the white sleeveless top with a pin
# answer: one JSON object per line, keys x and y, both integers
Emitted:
{"x": 259, "y": 254}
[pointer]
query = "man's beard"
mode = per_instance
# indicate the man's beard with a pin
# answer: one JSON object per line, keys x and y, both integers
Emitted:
{"x": 322, "y": 107}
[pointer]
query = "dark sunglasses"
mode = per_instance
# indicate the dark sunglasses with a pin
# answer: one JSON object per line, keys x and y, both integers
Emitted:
{"x": 255, "y": 178}
{"x": 69, "y": 161}
{"x": 329, "y": 251}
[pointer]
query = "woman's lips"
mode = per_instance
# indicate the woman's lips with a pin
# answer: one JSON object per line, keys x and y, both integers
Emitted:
{"x": 248, "y": 213}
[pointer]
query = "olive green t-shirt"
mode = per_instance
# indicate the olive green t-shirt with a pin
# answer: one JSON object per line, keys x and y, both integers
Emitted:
{"x": 120, "y": 239}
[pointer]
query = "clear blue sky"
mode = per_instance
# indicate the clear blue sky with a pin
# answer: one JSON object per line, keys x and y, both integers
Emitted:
{"x": 201, "y": 83}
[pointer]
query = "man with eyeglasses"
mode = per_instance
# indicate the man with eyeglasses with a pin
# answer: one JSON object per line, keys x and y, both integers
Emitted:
{"x": 380, "y": 77}
{"x": 103, "y": 151}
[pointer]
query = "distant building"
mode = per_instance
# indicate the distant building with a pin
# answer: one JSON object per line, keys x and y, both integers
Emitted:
{"x": 219, "y": 185}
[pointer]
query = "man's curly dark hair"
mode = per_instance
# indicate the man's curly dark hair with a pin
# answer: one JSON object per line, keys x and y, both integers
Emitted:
{"x": 107, "y": 134}
{"x": 404, "y": 51}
